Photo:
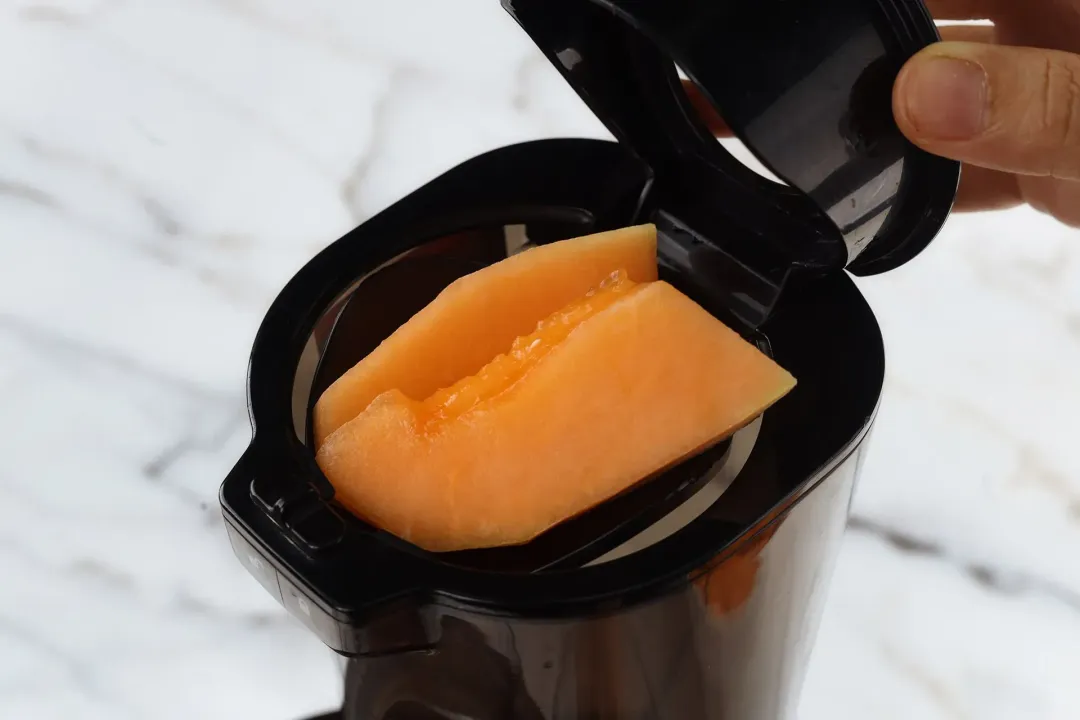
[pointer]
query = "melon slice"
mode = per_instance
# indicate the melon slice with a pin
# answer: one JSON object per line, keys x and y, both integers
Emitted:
{"x": 478, "y": 316}
{"x": 605, "y": 392}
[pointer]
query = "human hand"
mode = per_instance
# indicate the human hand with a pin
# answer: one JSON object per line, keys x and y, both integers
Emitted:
{"x": 1004, "y": 100}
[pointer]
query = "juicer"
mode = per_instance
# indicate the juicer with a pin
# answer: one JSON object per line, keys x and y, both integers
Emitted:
{"x": 696, "y": 595}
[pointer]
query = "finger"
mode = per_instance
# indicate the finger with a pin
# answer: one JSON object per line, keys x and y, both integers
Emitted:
{"x": 982, "y": 189}
{"x": 1003, "y": 108}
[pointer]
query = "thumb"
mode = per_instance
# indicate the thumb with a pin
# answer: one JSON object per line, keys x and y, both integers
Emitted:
{"x": 1004, "y": 108}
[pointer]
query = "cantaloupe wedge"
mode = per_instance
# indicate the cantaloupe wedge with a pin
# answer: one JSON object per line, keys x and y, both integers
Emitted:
{"x": 610, "y": 389}
{"x": 480, "y": 315}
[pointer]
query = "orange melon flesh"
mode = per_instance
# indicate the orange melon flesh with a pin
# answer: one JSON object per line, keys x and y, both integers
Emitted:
{"x": 612, "y": 388}
{"x": 479, "y": 316}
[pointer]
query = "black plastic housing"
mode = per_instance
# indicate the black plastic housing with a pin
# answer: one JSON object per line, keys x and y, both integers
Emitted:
{"x": 807, "y": 87}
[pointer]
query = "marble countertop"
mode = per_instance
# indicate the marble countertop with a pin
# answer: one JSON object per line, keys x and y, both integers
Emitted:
{"x": 166, "y": 166}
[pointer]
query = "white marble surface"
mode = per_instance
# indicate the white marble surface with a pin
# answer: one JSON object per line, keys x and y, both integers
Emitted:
{"x": 165, "y": 165}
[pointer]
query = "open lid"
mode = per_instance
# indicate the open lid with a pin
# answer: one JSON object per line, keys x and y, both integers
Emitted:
{"x": 806, "y": 85}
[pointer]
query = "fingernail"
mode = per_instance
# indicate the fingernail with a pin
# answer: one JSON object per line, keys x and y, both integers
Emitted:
{"x": 945, "y": 98}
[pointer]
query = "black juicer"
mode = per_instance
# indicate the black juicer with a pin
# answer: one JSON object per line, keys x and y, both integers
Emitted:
{"x": 697, "y": 595}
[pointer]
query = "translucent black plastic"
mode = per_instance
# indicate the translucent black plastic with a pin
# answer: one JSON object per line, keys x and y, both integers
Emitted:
{"x": 695, "y": 596}
{"x": 731, "y": 643}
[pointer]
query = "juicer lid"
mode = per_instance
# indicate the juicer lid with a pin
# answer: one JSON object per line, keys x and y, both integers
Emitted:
{"x": 806, "y": 85}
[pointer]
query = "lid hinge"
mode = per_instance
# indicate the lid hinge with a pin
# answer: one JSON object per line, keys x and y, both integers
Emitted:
{"x": 715, "y": 274}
